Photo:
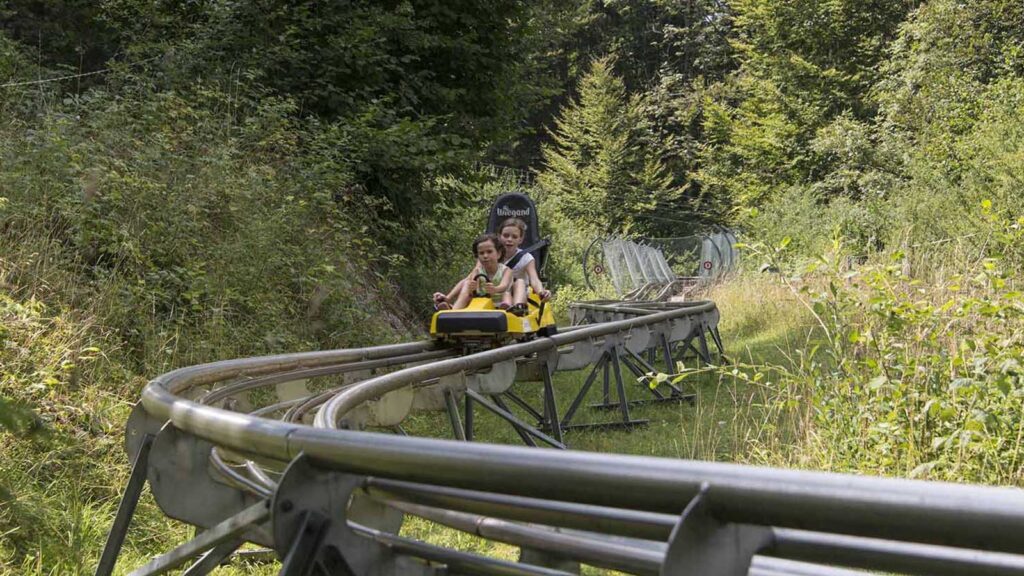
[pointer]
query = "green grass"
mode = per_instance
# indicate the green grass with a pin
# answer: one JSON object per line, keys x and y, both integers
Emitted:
{"x": 731, "y": 420}
{"x": 65, "y": 485}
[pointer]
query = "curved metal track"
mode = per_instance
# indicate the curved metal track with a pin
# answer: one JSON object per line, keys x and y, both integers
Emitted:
{"x": 305, "y": 453}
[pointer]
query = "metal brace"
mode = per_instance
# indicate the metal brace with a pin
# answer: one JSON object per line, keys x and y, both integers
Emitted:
{"x": 702, "y": 545}
{"x": 312, "y": 509}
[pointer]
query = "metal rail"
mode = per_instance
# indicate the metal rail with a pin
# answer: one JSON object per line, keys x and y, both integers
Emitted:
{"x": 329, "y": 496}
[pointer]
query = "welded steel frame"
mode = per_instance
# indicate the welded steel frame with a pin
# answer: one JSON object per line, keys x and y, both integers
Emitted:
{"x": 643, "y": 515}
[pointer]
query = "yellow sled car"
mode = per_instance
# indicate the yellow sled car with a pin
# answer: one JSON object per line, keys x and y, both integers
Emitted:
{"x": 481, "y": 321}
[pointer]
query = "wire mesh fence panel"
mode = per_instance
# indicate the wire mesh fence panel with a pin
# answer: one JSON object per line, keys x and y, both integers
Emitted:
{"x": 663, "y": 266}
{"x": 636, "y": 273}
{"x": 725, "y": 243}
{"x": 643, "y": 263}
{"x": 682, "y": 255}
{"x": 615, "y": 261}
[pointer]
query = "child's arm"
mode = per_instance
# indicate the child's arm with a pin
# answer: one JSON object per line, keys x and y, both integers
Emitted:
{"x": 451, "y": 295}
{"x": 506, "y": 281}
{"x": 535, "y": 283}
{"x": 471, "y": 282}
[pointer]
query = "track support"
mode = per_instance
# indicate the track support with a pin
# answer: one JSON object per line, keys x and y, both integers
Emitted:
{"x": 701, "y": 544}
{"x": 229, "y": 530}
{"x": 622, "y": 403}
{"x": 501, "y": 410}
{"x": 126, "y": 509}
{"x": 317, "y": 512}
{"x": 452, "y": 406}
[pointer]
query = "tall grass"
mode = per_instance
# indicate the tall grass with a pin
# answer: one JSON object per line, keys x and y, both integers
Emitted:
{"x": 913, "y": 364}
{"x": 139, "y": 234}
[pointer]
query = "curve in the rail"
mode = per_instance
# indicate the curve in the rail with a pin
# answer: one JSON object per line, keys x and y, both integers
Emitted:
{"x": 990, "y": 518}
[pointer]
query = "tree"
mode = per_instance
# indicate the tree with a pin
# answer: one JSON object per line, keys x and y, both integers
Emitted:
{"x": 68, "y": 34}
{"x": 804, "y": 64}
{"x": 597, "y": 171}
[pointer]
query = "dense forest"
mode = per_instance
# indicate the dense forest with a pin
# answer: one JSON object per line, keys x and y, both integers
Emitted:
{"x": 188, "y": 181}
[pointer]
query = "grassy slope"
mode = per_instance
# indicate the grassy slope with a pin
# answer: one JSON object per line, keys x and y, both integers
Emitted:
{"x": 731, "y": 421}
{"x": 103, "y": 286}
{"x": 63, "y": 468}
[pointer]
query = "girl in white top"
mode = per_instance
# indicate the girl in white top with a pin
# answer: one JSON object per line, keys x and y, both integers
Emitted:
{"x": 522, "y": 263}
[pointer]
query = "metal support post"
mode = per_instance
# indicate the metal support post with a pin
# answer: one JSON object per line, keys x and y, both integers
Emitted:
{"x": 666, "y": 349}
{"x": 523, "y": 434}
{"x": 583, "y": 391}
{"x": 623, "y": 402}
{"x": 468, "y": 419}
{"x": 229, "y": 530}
{"x": 717, "y": 337}
{"x": 315, "y": 515}
{"x": 303, "y": 555}
{"x": 526, "y": 406}
{"x": 126, "y": 509}
{"x": 687, "y": 346}
{"x": 215, "y": 557}
{"x": 620, "y": 387}
{"x": 658, "y": 396}
{"x": 511, "y": 418}
{"x": 644, "y": 368}
{"x": 453, "y": 414}
{"x": 705, "y": 354}
{"x": 550, "y": 406}
{"x": 606, "y": 396}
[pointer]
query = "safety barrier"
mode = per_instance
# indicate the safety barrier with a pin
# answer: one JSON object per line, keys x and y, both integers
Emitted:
{"x": 656, "y": 268}
{"x": 251, "y": 451}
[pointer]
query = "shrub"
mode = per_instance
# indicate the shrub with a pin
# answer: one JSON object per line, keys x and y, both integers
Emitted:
{"x": 912, "y": 378}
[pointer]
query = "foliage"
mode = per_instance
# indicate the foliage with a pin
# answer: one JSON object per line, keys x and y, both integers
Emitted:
{"x": 140, "y": 234}
{"x": 945, "y": 53}
{"x": 57, "y": 358}
{"x": 598, "y": 173}
{"x": 923, "y": 382}
{"x": 823, "y": 54}
{"x": 191, "y": 215}
{"x": 425, "y": 57}
{"x": 906, "y": 378}
{"x": 601, "y": 176}
{"x": 268, "y": 176}
{"x": 652, "y": 39}
{"x": 664, "y": 53}
{"x": 68, "y": 34}
{"x": 803, "y": 65}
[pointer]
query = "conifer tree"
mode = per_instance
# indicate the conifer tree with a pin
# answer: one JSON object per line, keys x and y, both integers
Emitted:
{"x": 598, "y": 172}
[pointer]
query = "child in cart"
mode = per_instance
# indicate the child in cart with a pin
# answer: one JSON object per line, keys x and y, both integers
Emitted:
{"x": 489, "y": 277}
{"x": 521, "y": 263}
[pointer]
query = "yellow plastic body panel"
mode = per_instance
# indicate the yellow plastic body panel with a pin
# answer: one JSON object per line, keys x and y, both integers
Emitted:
{"x": 481, "y": 318}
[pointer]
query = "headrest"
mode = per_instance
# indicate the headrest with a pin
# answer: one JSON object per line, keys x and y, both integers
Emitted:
{"x": 515, "y": 205}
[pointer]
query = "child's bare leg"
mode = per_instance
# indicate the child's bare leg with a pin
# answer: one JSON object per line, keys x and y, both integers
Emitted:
{"x": 519, "y": 292}
{"x": 506, "y": 299}
{"x": 456, "y": 290}
{"x": 463, "y": 299}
